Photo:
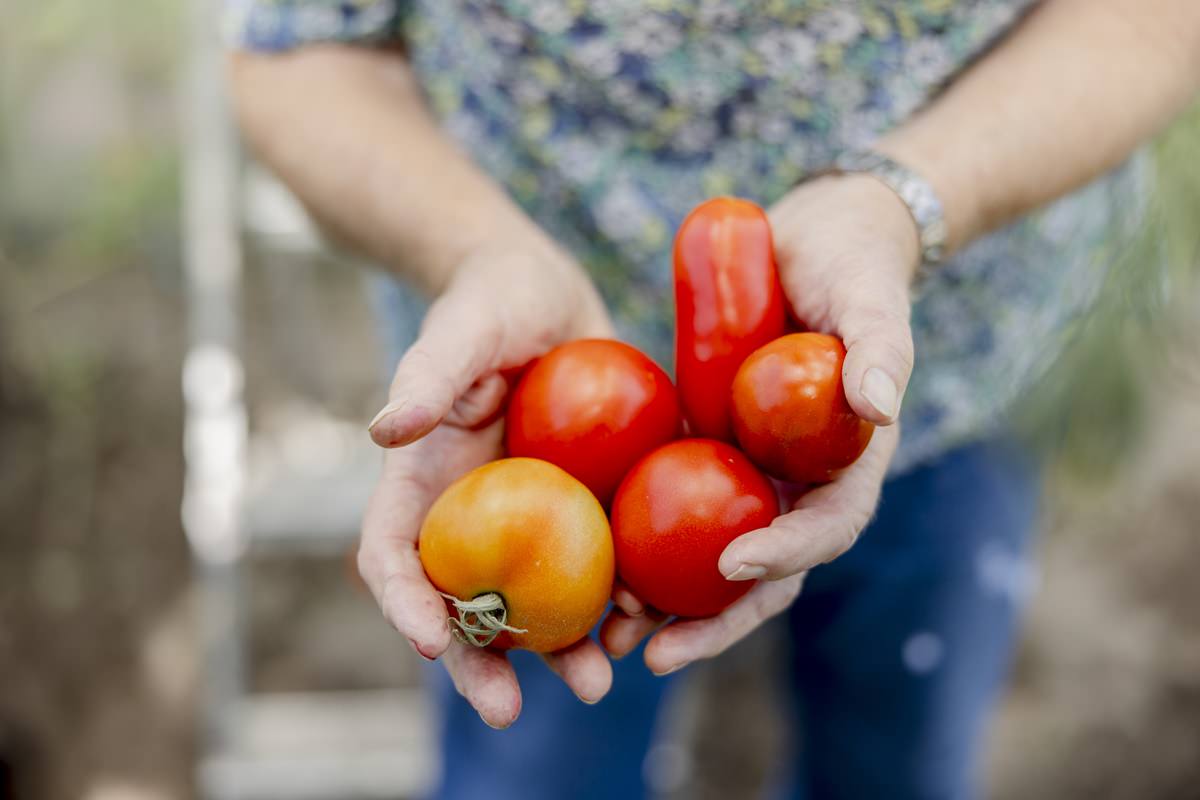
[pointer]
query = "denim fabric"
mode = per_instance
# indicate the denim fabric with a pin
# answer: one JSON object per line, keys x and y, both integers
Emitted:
{"x": 898, "y": 651}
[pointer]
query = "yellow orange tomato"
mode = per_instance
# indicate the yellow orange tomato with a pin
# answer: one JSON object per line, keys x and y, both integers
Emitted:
{"x": 527, "y": 531}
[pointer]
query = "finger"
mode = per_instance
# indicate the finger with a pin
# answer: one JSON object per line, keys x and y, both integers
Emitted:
{"x": 621, "y": 633}
{"x": 624, "y": 598}
{"x": 685, "y": 641}
{"x": 825, "y": 523}
{"x": 486, "y": 680}
{"x": 879, "y": 355}
{"x": 584, "y": 668}
{"x": 480, "y": 402}
{"x": 390, "y": 566}
{"x": 458, "y": 343}
{"x": 414, "y": 607}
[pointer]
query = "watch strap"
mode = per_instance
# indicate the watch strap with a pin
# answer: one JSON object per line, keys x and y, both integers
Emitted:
{"x": 914, "y": 191}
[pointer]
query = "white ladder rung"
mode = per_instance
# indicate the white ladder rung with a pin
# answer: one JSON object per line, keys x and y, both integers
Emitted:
{"x": 325, "y": 745}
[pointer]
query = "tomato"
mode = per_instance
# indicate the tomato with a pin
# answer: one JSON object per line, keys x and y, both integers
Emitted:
{"x": 593, "y": 407}
{"x": 728, "y": 301}
{"x": 527, "y": 532}
{"x": 673, "y": 516}
{"x": 790, "y": 411}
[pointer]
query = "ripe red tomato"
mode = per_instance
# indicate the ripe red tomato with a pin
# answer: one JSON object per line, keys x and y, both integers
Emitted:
{"x": 593, "y": 407}
{"x": 728, "y": 301}
{"x": 790, "y": 411}
{"x": 673, "y": 516}
{"x": 526, "y": 533}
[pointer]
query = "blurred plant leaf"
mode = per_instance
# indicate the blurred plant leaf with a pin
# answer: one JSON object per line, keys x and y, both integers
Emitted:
{"x": 1091, "y": 410}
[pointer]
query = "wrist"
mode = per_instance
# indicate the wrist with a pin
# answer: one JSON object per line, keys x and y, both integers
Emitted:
{"x": 886, "y": 218}
{"x": 908, "y": 146}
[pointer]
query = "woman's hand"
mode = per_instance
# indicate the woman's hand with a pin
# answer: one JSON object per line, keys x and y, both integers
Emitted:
{"x": 503, "y": 308}
{"x": 847, "y": 249}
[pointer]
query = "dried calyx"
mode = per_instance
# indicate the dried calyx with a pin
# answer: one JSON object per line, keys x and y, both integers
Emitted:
{"x": 480, "y": 620}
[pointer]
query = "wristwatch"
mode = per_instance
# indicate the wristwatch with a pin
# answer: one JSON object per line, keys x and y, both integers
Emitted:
{"x": 914, "y": 191}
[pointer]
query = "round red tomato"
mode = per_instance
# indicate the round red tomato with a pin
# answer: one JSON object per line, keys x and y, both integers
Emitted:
{"x": 790, "y": 412}
{"x": 529, "y": 538}
{"x": 593, "y": 407}
{"x": 674, "y": 515}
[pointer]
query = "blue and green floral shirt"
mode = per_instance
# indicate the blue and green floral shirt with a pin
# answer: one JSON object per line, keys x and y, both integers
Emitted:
{"x": 608, "y": 120}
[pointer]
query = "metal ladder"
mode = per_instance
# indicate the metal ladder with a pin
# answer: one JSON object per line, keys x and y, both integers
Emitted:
{"x": 344, "y": 745}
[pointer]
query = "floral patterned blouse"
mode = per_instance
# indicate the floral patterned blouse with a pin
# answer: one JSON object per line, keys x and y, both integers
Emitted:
{"x": 608, "y": 120}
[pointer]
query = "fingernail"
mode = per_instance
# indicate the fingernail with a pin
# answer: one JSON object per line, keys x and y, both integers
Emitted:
{"x": 585, "y": 701}
{"x": 665, "y": 672}
{"x": 631, "y": 605}
{"x": 490, "y": 725}
{"x": 417, "y": 648}
{"x": 386, "y": 411}
{"x": 880, "y": 391}
{"x": 747, "y": 572}
{"x": 613, "y": 653}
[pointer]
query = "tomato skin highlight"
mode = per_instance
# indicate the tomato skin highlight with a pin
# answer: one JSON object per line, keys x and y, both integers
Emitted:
{"x": 527, "y": 530}
{"x": 592, "y": 407}
{"x": 790, "y": 411}
{"x": 673, "y": 516}
{"x": 728, "y": 302}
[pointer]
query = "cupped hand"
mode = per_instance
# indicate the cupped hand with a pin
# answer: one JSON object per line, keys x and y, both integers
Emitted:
{"x": 847, "y": 249}
{"x": 501, "y": 310}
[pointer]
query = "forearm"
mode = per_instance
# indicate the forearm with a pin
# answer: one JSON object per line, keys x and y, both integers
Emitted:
{"x": 347, "y": 129}
{"x": 1067, "y": 96}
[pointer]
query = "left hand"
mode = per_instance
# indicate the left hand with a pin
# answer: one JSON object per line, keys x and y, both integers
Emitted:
{"x": 847, "y": 249}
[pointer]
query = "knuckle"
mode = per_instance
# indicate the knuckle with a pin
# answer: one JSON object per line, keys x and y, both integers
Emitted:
{"x": 391, "y": 600}
{"x": 366, "y": 562}
{"x": 765, "y": 606}
{"x": 899, "y": 337}
{"x": 900, "y": 351}
{"x": 786, "y": 552}
{"x": 843, "y": 536}
{"x": 893, "y": 346}
{"x": 443, "y": 388}
{"x": 730, "y": 629}
{"x": 859, "y": 522}
{"x": 418, "y": 357}
{"x": 880, "y": 315}
{"x": 386, "y": 592}
{"x": 416, "y": 361}
{"x": 448, "y": 308}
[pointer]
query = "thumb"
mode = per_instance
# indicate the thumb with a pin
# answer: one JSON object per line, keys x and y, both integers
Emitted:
{"x": 879, "y": 357}
{"x": 448, "y": 371}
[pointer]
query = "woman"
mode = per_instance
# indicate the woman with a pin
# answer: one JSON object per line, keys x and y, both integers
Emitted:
{"x": 527, "y": 162}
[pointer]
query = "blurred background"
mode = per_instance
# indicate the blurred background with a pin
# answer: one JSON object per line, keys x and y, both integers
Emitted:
{"x": 167, "y": 315}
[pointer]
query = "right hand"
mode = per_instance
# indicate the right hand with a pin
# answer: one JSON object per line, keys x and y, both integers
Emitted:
{"x": 501, "y": 310}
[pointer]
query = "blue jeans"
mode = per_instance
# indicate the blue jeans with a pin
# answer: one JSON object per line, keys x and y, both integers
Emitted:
{"x": 898, "y": 652}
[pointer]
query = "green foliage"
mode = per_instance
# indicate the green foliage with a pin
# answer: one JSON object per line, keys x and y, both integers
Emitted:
{"x": 1093, "y": 408}
{"x": 130, "y": 204}
{"x": 107, "y": 209}
{"x": 53, "y": 26}
{"x": 113, "y": 202}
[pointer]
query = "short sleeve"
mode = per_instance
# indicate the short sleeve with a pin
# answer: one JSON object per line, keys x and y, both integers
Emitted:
{"x": 276, "y": 25}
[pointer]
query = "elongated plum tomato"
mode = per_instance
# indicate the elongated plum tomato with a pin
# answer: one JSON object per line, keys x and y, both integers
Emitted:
{"x": 728, "y": 301}
{"x": 673, "y": 516}
{"x": 790, "y": 411}
{"x": 593, "y": 407}
{"x": 527, "y": 531}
